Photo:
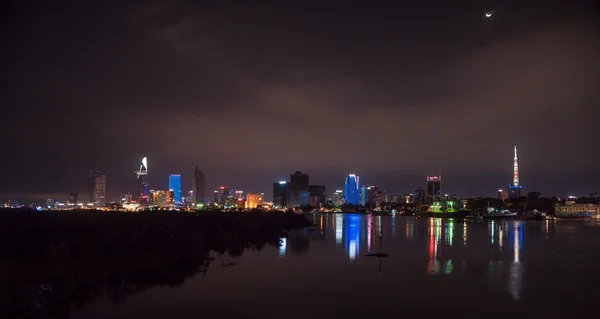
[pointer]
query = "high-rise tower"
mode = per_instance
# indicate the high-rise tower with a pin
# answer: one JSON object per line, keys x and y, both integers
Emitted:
{"x": 198, "y": 188}
{"x": 175, "y": 186}
{"x": 142, "y": 182}
{"x": 516, "y": 169}
{"x": 352, "y": 189}
{"x": 98, "y": 188}
{"x": 515, "y": 188}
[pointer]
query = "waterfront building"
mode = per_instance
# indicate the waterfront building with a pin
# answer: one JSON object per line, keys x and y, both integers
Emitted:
{"x": 198, "y": 186}
{"x": 299, "y": 189}
{"x": 501, "y": 195}
{"x": 419, "y": 196}
{"x": 352, "y": 189}
{"x": 254, "y": 200}
{"x": 337, "y": 198}
{"x": 434, "y": 189}
{"x": 364, "y": 195}
{"x": 142, "y": 182}
{"x": 572, "y": 207}
{"x": 318, "y": 197}
{"x": 407, "y": 198}
{"x": 175, "y": 186}
{"x": 515, "y": 189}
{"x": 281, "y": 194}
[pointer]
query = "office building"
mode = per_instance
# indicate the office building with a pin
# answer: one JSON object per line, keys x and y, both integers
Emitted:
{"x": 73, "y": 199}
{"x": 317, "y": 198}
{"x": 352, "y": 189}
{"x": 364, "y": 195}
{"x": 501, "y": 195}
{"x": 254, "y": 200}
{"x": 434, "y": 189}
{"x": 142, "y": 183}
{"x": 175, "y": 186}
{"x": 98, "y": 188}
{"x": 221, "y": 195}
{"x": 337, "y": 199}
{"x": 198, "y": 186}
{"x": 158, "y": 198}
{"x": 419, "y": 196}
{"x": 299, "y": 189}
{"x": 281, "y": 194}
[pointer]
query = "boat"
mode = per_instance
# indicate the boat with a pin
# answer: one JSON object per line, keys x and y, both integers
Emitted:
{"x": 575, "y": 216}
{"x": 500, "y": 214}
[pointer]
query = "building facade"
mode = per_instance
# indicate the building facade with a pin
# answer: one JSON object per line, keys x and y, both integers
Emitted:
{"x": 175, "y": 186}
{"x": 299, "y": 189}
{"x": 198, "y": 186}
{"x": 352, "y": 189}
{"x": 254, "y": 200}
{"x": 143, "y": 191}
{"x": 98, "y": 188}
{"x": 318, "y": 198}
{"x": 281, "y": 194}
{"x": 434, "y": 189}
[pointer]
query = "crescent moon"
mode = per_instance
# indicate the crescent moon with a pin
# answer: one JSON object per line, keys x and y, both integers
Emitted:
{"x": 488, "y": 15}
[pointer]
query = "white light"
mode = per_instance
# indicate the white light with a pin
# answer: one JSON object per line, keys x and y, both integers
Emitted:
{"x": 282, "y": 182}
{"x": 488, "y": 14}
{"x": 351, "y": 175}
{"x": 145, "y": 163}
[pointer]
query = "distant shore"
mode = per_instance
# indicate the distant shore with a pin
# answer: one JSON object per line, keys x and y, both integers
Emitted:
{"x": 52, "y": 259}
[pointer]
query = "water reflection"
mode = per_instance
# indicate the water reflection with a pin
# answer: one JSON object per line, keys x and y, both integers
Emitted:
{"x": 352, "y": 235}
{"x": 423, "y": 253}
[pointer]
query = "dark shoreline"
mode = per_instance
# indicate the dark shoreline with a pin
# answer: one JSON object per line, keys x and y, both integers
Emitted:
{"x": 51, "y": 260}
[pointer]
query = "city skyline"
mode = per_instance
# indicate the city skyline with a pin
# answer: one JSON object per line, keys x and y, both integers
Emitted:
{"x": 251, "y": 95}
{"x": 184, "y": 189}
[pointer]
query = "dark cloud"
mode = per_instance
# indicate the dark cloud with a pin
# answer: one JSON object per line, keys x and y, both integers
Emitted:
{"x": 251, "y": 95}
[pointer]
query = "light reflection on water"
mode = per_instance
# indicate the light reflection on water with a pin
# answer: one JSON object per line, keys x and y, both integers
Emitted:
{"x": 497, "y": 263}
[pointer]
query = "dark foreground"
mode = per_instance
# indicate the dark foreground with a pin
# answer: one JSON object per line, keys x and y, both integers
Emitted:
{"x": 52, "y": 260}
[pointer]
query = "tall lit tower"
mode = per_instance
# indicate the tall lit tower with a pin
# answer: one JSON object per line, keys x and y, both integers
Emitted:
{"x": 515, "y": 188}
{"x": 516, "y": 170}
{"x": 352, "y": 189}
{"x": 142, "y": 182}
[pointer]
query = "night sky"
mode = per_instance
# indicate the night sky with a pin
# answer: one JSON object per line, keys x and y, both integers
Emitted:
{"x": 253, "y": 92}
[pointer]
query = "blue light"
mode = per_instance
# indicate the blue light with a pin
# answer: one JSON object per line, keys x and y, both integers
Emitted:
{"x": 352, "y": 189}
{"x": 175, "y": 185}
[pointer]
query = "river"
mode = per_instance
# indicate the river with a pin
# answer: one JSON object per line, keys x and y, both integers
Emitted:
{"x": 436, "y": 267}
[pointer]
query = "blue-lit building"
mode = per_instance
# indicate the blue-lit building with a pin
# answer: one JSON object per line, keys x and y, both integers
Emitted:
{"x": 352, "y": 189}
{"x": 175, "y": 186}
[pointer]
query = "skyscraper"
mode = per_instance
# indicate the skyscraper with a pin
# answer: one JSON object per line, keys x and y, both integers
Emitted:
{"x": 254, "y": 200}
{"x": 97, "y": 188}
{"x": 352, "y": 189}
{"x": 317, "y": 197}
{"x": 142, "y": 182}
{"x": 434, "y": 188}
{"x": 515, "y": 188}
{"x": 198, "y": 187}
{"x": 175, "y": 186}
{"x": 299, "y": 189}
{"x": 281, "y": 194}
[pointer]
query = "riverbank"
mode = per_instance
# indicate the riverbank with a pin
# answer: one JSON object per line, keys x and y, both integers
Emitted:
{"x": 52, "y": 259}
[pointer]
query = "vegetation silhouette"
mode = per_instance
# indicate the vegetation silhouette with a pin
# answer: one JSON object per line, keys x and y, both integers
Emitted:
{"x": 51, "y": 260}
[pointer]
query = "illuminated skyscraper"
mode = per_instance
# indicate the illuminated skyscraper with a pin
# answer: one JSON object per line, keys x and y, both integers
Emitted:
{"x": 515, "y": 188}
{"x": 281, "y": 194}
{"x": 434, "y": 188}
{"x": 175, "y": 186}
{"x": 352, "y": 189}
{"x": 98, "y": 188}
{"x": 198, "y": 187}
{"x": 142, "y": 183}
